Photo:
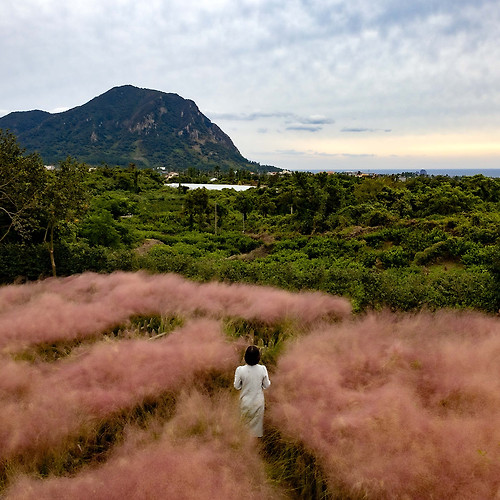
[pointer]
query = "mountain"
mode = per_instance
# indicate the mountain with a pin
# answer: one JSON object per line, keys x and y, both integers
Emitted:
{"x": 129, "y": 125}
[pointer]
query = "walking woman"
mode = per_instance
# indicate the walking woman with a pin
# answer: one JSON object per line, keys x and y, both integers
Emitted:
{"x": 251, "y": 379}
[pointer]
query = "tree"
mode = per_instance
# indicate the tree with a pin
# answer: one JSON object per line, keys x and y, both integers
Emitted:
{"x": 220, "y": 212}
{"x": 487, "y": 189}
{"x": 287, "y": 197}
{"x": 369, "y": 189}
{"x": 101, "y": 228}
{"x": 244, "y": 203}
{"x": 196, "y": 203}
{"x": 132, "y": 168}
{"x": 64, "y": 199}
{"x": 310, "y": 200}
{"x": 446, "y": 199}
{"x": 264, "y": 202}
{"x": 23, "y": 180}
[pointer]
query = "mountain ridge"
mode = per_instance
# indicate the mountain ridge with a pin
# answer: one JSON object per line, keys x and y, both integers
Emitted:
{"x": 127, "y": 124}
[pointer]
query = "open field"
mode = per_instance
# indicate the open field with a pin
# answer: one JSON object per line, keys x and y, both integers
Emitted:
{"x": 120, "y": 385}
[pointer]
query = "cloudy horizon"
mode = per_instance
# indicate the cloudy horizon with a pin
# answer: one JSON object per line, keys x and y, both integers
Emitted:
{"x": 306, "y": 84}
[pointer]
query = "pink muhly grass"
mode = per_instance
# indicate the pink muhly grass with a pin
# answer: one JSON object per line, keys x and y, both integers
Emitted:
{"x": 119, "y": 374}
{"x": 397, "y": 406}
{"x": 84, "y": 305}
{"x": 271, "y": 305}
{"x": 16, "y": 378}
{"x": 66, "y": 396}
{"x": 203, "y": 452}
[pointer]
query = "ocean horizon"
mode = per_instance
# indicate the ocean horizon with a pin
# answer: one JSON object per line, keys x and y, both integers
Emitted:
{"x": 449, "y": 172}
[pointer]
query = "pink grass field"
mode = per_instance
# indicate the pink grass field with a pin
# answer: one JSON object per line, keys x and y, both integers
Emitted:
{"x": 44, "y": 405}
{"x": 390, "y": 405}
{"x": 49, "y": 407}
{"x": 84, "y": 305}
{"x": 397, "y": 406}
{"x": 203, "y": 452}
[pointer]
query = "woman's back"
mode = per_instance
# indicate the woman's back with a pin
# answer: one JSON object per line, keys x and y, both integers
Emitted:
{"x": 251, "y": 380}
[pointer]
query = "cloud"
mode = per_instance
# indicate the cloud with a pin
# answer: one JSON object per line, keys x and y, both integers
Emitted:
{"x": 322, "y": 154}
{"x": 345, "y": 129}
{"x": 423, "y": 67}
{"x": 362, "y": 155}
{"x": 307, "y": 128}
{"x": 59, "y": 110}
{"x": 290, "y": 121}
{"x": 291, "y": 152}
{"x": 345, "y": 155}
{"x": 316, "y": 120}
{"x": 287, "y": 120}
{"x": 287, "y": 116}
{"x": 361, "y": 129}
{"x": 248, "y": 117}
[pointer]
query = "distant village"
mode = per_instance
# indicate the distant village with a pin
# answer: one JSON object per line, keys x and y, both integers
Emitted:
{"x": 169, "y": 176}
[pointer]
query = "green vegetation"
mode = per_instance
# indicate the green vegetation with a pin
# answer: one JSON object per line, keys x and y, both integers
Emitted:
{"x": 130, "y": 125}
{"x": 406, "y": 244}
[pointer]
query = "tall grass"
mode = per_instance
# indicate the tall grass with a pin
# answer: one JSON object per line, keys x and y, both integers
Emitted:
{"x": 202, "y": 452}
{"x": 47, "y": 405}
{"x": 397, "y": 407}
{"x": 120, "y": 386}
{"x": 84, "y": 305}
{"x": 86, "y": 357}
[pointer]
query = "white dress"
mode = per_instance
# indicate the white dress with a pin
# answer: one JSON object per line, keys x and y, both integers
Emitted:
{"x": 251, "y": 380}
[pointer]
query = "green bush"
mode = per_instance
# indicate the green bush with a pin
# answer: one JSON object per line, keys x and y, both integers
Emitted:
{"x": 395, "y": 257}
{"x": 101, "y": 229}
{"x": 74, "y": 258}
{"x": 22, "y": 261}
{"x": 437, "y": 251}
{"x": 403, "y": 291}
{"x": 164, "y": 259}
{"x": 476, "y": 289}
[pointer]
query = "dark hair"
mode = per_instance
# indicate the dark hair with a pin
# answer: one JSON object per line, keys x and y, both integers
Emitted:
{"x": 252, "y": 355}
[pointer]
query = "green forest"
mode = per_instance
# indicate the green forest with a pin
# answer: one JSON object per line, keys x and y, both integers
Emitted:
{"x": 406, "y": 242}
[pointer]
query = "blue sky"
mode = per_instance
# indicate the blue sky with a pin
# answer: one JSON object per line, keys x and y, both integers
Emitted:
{"x": 300, "y": 84}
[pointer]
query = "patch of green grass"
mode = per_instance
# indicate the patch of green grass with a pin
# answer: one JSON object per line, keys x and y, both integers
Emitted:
{"x": 270, "y": 338}
{"x": 293, "y": 468}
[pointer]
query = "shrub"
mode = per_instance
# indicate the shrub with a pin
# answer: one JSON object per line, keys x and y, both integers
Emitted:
{"x": 20, "y": 261}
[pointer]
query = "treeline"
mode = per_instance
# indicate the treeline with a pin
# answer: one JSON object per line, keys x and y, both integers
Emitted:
{"x": 406, "y": 243}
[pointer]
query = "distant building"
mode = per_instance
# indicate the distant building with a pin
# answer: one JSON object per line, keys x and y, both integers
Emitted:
{"x": 280, "y": 172}
{"x": 171, "y": 175}
{"x": 365, "y": 174}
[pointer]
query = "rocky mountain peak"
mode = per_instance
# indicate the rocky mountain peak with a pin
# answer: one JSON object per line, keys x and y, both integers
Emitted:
{"x": 127, "y": 125}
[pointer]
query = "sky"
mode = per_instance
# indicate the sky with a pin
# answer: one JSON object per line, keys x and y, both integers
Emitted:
{"x": 298, "y": 84}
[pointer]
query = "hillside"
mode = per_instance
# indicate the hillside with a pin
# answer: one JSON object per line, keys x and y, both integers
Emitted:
{"x": 129, "y": 125}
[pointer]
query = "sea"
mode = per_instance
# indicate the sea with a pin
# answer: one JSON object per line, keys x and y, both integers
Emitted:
{"x": 449, "y": 172}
